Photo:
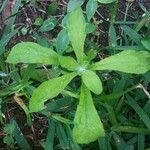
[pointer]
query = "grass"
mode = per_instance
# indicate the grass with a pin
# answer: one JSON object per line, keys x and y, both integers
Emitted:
{"x": 124, "y": 104}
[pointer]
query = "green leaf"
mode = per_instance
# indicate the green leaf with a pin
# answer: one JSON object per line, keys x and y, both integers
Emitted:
{"x": 29, "y": 52}
{"x": 90, "y": 27}
{"x": 92, "y": 81}
{"x": 49, "y": 144}
{"x": 48, "y": 90}
{"x": 91, "y": 8}
{"x": 38, "y": 21}
{"x": 48, "y": 24}
{"x": 106, "y": 1}
{"x": 9, "y": 128}
{"x": 76, "y": 31}
{"x": 141, "y": 113}
{"x": 129, "y": 61}
{"x": 68, "y": 63}
{"x": 62, "y": 41}
{"x": 112, "y": 36}
{"x": 9, "y": 140}
{"x": 20, "y": 138}
{"x": 5, "y": 39}
{"x": 73, "y": 4}
{"x": 132, "y": 34}
{"x": 146, "y": 43}
{"x": 87, "y": 124}
{"x": 52, "y": 8}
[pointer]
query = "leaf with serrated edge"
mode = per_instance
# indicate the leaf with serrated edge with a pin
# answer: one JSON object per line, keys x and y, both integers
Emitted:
{"x": 129, "y": 61}
{"x": 48, "y": 90}
{"x": 92, "y": 81}
{"x": 87, "y": 124}
{"x": 76, "y": 31}
{"x": 29, "y": 52}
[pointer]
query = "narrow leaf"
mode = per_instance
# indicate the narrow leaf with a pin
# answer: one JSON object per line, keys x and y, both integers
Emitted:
{"x": 48, "y": 90}
{"x": 50, "y": 135}
{"x": 20, "y": 138}
{"x": 87, "y": 124}
{"x": 5, "y": 39}
{"x": 128, "y": 61}
{"x": 91, "y": 8}
{"x": 142, "y": 114}
{"x": 132, "y": 34}
{"x": 29, "y": 52}
{"x": 112, "y": 36}
{"x": 76, "y": 26}
{"x": 146, "y": 43}
{"x": 106, "y": 1}
{"x": 62, "y": 41}
{"x": 92, "y": 81}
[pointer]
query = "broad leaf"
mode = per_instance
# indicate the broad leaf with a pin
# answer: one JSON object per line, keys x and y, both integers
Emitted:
{"x": 48, "y": 24}
{"x": 91, "y": 8}
{"x": 106, "y": 1}
{"x": 92, "y": 81}
{"x": 62, "y": 41}
{"x": 68, "y": 63}
{"x": 73, "y": 4}
{"x": 48, "y": 90}
{"x": 129, "y": 61}
{"x": 76, "y": 26}
{"x": 29, "y": 52}
{"x": 87, "y": 124}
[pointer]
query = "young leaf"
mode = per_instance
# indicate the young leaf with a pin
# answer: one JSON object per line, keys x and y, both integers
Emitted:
{"x": 29, "y": 52}
{"x": 52, "y": 8}
{"x": 92, "y": 81}
{"x": 129, "y": 61}
{"x": 76, "y": 30}
{"x": 87, "y": 124}
{"x": 90, "y": 27}
{"x": 38, "y": 21}
{"x": 73, "y": 4}
{"x": 48, "y": 90}
{"x": 112, "y": 36}
{"x": 68, "y": 62}
{"x": 62, "y": 41}
{"x": 91, "y": 8}
{"x": 106, "y": 1}
{"x": 48, "y": 24}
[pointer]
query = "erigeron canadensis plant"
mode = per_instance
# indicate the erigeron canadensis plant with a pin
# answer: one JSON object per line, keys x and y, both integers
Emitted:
{"x": 87, "y": 123}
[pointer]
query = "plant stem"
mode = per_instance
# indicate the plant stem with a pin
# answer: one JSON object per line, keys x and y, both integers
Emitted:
{"x": 69, "y": 93}
{"x": 114, "y": 12}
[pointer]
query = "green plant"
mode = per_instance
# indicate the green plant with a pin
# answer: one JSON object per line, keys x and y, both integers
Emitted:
{"x": 9, "y": 130}
{"x": 87, "y": 124}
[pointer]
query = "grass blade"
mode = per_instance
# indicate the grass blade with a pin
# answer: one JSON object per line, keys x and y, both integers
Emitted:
{"x": 50, "y": 136}
{"x": 143, "y": 116}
